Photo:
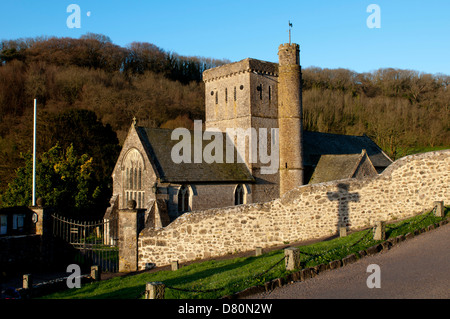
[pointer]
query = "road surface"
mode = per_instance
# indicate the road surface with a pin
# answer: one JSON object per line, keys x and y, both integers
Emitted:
{"x": 418, "y": 268}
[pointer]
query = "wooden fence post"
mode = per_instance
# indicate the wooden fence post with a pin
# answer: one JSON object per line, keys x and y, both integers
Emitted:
{"x": 439, "y": 212}
{"x": 342, "y": 230}
{"x": 379, "y": 232}
{"x": 292, "y": 258}
{"x": 27, "y": 285}
{"x": 154, "y": 290}
{"x": 27, "y": 282}
{"x": 95, "y": 272}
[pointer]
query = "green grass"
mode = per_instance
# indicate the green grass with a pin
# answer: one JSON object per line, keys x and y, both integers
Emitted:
{"x": 214, "y": 279}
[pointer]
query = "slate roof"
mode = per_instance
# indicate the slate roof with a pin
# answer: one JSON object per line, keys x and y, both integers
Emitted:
{"x": 316, "y": 144}
{"x": 335, "y": 167}
{"x": 159, "y": 144}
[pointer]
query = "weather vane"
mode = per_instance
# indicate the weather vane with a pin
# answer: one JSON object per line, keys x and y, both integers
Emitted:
{"x": 290, "y": 27}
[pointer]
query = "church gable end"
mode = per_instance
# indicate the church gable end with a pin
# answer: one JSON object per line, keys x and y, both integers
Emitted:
{"x": 365, "y": 167}
{"x": 134, "y": 176}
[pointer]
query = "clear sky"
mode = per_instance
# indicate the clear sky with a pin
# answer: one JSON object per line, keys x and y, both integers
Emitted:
{"x": 413, "y": 34}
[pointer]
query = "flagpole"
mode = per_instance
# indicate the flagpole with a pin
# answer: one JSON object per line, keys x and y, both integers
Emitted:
{"x": 290, "y": 26}
{"x": 34, "y": 158}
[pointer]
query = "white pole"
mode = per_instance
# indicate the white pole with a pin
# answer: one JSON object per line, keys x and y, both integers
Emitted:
{"x": 34, "y": 157}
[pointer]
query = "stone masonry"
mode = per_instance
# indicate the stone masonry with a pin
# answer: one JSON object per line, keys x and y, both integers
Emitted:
{"x": 244, "y": 95}
{"x": 407, "y": 187}
{"x": 290, "y": 117}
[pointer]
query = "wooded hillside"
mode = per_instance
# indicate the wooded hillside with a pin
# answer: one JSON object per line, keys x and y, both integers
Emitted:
{"x": 93, "y": 74}
{"x": 400, "y": 109}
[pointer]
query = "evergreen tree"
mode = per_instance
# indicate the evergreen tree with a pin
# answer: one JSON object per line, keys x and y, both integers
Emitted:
{"x": 64, "y": 180}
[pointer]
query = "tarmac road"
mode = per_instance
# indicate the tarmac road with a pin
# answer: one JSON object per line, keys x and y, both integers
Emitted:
{"x": 418, "y": 268}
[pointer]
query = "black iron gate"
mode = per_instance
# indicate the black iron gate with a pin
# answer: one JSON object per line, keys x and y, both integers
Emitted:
{"x": 90, "y": 242}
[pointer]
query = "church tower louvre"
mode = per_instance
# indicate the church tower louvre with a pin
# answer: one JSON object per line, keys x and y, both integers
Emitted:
{"x": 290, "y": 117}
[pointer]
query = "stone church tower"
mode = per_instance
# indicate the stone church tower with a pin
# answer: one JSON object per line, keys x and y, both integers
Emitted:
{"x": 254, "y": 94}
{"x": 290, "y": 117}
{"x": 243, "y": 95}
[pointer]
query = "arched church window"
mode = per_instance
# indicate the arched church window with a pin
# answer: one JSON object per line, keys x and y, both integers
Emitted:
{"x": 239, "y": 195}
{"x": 183, "y": 199}
{"x": 133, "y": 174}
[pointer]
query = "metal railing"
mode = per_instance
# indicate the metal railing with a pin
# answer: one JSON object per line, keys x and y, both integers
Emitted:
{"x": 91, "y": 239}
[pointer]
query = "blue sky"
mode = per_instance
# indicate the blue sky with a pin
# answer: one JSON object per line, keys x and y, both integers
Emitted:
{"x": 413, "y": 34}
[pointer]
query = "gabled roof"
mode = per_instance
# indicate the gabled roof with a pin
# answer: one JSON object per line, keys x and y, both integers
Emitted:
{"x": 336, "y": 167}
{"x": 158, "y": 144}
{"x": 316, "y": 144}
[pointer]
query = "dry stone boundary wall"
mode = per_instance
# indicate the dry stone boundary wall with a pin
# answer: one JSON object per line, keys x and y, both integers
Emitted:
{"x": 407, "y": 187}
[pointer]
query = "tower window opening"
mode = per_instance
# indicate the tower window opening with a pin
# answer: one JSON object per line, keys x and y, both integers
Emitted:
{"x": 259, "y": 88}
{"x": 217, "y": 97}
{"x": 234, "y": 93}
{"x": 226, "y": 95}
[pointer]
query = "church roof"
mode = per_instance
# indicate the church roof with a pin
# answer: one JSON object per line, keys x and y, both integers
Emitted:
{"x": 158, "y": 144}
{"x": 335, "y": 167}
{"x": 316, "y": 144}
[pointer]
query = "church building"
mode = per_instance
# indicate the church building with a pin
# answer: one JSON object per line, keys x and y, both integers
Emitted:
{"x": 261, "y": 102}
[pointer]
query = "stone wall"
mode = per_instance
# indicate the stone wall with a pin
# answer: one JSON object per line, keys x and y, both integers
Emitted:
{"x": 407, "y": 187}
